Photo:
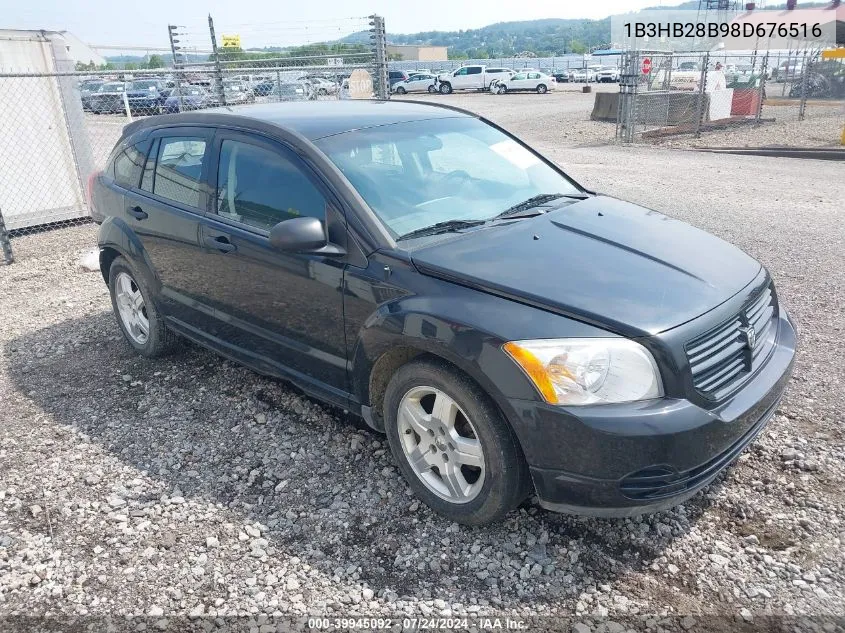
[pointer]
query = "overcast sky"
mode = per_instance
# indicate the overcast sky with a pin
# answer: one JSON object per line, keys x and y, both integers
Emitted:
{"x": 265, "y": 22}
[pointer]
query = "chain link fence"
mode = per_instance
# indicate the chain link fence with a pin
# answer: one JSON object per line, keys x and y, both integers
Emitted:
{"x": 666, "y": 94}
{"x": 59, "y": 127}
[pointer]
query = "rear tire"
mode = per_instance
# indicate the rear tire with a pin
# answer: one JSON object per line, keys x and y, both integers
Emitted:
{"x": 426, "y": 391}
{"x": 149, "y": 339}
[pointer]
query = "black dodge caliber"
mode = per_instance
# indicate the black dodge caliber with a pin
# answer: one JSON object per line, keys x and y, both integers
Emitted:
{"x": 510, "y": 331}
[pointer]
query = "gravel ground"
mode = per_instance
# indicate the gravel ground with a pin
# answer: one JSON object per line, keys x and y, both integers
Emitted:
{"x": 190, "y": 487}
{"x": 563, "y": 118}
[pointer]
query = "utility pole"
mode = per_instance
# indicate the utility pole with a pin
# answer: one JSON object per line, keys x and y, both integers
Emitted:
{"x": 379, "y": 44}
{"x": 218, "y": 71}
{"x": 177, "y": 65}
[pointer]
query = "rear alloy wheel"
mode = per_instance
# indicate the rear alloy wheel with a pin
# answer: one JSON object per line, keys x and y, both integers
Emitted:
{"x": 400, "y": 90}
{"x": 541, "y": 89}
{"x": 141, "y": 324}
{"x": 452, "y": 445}
{"x": 445, "y": 88}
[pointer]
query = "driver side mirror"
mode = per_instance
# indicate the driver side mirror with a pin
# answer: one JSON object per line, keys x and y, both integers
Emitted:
{"x": 303, "y": 235}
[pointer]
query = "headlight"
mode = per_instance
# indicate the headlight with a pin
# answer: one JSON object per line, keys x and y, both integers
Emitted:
{"x": 588, "y": 370}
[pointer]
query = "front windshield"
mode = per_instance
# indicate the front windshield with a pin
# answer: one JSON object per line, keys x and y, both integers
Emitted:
{"x": 416, "y": 174}
{"x": 144, "y": 85}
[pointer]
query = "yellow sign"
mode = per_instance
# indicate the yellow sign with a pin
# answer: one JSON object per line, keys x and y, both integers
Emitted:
{"x": 836, "y": 53}
{"x": 231, "y": 41}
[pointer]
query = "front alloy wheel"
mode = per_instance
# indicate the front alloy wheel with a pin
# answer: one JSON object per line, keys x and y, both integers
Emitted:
{"x": 452, "y": 444}
{"x": 441, "y": 444}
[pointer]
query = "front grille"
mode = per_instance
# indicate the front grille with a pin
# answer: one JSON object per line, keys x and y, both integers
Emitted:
{"x": 722, "y": 358}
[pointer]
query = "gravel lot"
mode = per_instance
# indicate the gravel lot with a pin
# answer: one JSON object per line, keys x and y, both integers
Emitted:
{"x": 563, "y": 117}
{"x": 190, "y": 486}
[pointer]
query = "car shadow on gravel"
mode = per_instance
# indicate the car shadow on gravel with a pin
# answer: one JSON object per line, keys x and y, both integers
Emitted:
{"x": 328, "y": 493}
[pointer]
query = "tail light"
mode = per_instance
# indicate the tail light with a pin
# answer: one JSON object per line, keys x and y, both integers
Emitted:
{"x": 89, "y": 191}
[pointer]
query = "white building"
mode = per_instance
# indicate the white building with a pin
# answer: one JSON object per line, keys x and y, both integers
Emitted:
{"x": 42, "y": 131}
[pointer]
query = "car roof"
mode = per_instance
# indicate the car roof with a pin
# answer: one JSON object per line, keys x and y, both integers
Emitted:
{"x": 318, "y": 119}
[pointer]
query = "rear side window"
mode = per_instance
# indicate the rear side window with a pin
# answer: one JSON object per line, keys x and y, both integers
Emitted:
{"x": 261, "y": 188}
{"x": 129, "y": 164}
{"x": 178, "y": 169}
{"x": 474, "y": 70}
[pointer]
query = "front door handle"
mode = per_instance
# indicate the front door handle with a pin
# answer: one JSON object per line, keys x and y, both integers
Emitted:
{"x": 220, "y": 243}
{"x": 138, "y": 213}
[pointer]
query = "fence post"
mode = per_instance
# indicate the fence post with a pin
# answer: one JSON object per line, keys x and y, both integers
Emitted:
{"x": 218, "y": 72}
{"x": 5, "y": 244}
{"x": 626, "y": 107}
{"x": 763, "y": 70}
{"x": 805, "y": 79}
{"x": 702, "y": 93}
{"x": 379, "y": 37}
{"x": 177, "y": 66}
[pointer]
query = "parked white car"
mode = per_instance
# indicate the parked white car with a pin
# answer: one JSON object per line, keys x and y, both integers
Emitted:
{"x": 582, "y": 75}
{"x": 607, "y": 74}
{"x": 470, "y": 78}
{"x": 416, "y": 83}
{"x": 532, "y": 80}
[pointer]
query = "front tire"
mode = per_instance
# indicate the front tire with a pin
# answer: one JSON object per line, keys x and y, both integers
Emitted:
{"x": 140, "y": 322}
{"x": 401, "y": 91}
{"x": 452, "y": 444}
{"x": 432, "y": 89}
{"x": 445, "y": 88}
{"x": 542, "y": 89}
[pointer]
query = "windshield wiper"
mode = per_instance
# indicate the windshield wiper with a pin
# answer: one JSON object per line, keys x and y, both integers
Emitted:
{"x": 536, "y": 201}
{"x": 441, "y": 227}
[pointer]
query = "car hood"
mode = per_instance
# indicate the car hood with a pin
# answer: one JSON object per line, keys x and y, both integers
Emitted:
{"x": 628, "y": 269}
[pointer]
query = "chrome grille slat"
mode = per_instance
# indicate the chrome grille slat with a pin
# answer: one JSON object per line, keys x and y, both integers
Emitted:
{"x": 723, "y": 354}
{"x": 709, "y": 346}
{"x": 718, "y": 379}
{"x": 720, "y": 359}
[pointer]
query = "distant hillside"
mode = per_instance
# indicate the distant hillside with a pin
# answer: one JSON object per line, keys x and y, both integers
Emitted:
{"x": 547, "y": 37}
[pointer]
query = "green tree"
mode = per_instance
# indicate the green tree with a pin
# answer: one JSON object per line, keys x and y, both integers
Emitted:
{"x": 155, "y": 61}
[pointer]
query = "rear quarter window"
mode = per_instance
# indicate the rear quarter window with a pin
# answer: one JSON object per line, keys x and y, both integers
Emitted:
{"x": 129, "y": 164}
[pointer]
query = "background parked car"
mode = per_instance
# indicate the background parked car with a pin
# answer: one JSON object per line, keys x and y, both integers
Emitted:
{"x": 86, "y": 89}
{"x": 607, "y": 74}
{"x": 561, "y": 76}
{"x": 293, "y": 91}
{"x": 109, "y": 98}
{"x": 416, "y": 83}
{"x": 473, "y": 77}
{"x": 192, "y": 98}
{"x": 237, "y": 91}
{"x": 263, "y": 87}
{"x": 582, "y": 75}
{"x": 147, "y": 96}
{"x": 322, "y": 86}
{"x": 395, "y": 76}
{"x": 530, "y": 80}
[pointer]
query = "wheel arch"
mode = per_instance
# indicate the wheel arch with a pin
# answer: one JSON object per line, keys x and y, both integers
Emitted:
{"x": 117, "y": 239}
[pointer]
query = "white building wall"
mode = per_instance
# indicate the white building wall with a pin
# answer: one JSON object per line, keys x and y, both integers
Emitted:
{"x": 39, "y": 178}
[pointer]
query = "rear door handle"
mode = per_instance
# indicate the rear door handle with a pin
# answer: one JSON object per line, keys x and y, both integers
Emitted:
{"x": 138, "y": 213}
{"x": 220, "y": 243}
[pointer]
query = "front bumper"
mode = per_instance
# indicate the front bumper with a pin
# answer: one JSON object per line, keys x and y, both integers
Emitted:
{"x": 628, "y": 459}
